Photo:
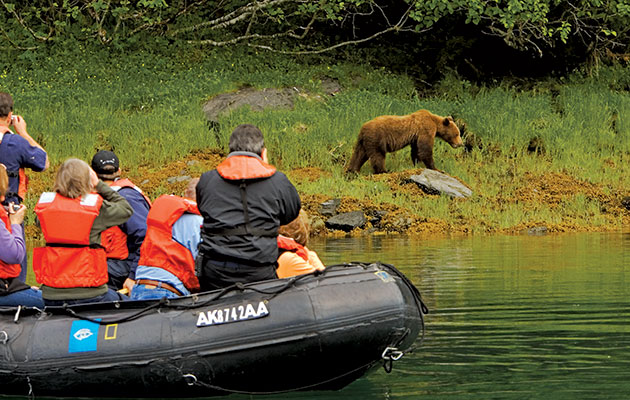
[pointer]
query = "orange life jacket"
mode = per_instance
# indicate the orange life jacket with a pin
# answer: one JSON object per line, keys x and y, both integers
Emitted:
{"x": 244, "y": 167}
{"x": 289, "y": 244}
{"x": 159, "y": 249}
{"x": 8, "y": 270}
{"x": 113, "y": 239}
{"x": 68, "y": 261}
{"x": 23, "y": 183}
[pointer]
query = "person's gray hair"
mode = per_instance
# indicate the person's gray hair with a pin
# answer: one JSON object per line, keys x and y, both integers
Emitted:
{"x": 73, "y": 179}
{"x": 247, "y": 137}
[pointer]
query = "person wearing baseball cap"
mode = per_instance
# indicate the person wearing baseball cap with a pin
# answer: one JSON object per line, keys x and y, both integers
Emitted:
{"x": 122, "y": 243}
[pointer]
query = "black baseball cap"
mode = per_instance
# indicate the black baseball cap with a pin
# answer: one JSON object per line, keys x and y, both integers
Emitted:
{"x": 105, "y": 162}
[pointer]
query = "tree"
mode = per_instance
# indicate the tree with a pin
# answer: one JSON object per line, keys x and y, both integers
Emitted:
{"x": 305, "y": 26}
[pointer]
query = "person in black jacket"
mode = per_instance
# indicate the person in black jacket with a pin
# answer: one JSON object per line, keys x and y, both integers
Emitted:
{"x": 242, "y": 202}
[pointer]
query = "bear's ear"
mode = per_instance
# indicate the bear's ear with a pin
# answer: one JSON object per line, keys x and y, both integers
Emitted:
{"x": 446, "y": 122}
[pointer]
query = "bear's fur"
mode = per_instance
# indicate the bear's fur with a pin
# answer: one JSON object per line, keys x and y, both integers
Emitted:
{"x": 389, "y": 133}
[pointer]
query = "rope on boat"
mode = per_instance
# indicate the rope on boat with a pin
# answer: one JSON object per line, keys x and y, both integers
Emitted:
{"x": 167, "y": 303}
{"x": 192, "y": 380}
{"x": 418, "y": 298}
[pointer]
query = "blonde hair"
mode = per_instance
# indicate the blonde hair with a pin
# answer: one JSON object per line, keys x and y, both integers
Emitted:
{"x": 191, "y": 189}
{"x": 299, "y": 229}
{"x": 73, "y": 179}
{"x": 4, "y": 180}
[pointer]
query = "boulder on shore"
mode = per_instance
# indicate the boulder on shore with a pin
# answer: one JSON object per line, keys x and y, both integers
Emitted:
{"x": 434, "y": 182}
{"x": 347, "y": 221}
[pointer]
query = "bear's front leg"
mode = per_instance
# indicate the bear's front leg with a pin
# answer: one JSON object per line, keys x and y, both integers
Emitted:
{"x": 425, "y": 152}
{"x": 414, "y": 153}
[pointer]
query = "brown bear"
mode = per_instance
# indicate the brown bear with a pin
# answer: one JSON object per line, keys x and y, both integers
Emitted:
{"x": 389, "y": 133}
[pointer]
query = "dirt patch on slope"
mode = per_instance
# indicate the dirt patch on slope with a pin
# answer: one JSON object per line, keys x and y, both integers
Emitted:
{"x": 533, "y": 192}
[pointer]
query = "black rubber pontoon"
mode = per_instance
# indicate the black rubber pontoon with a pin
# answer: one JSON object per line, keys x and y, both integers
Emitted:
{"x": 313, "y": 332}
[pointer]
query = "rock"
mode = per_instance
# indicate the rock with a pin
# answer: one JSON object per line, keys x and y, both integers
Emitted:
{"x": 175, "y": 179}
{"x": 401, "y": 224}
{"x": 256, "y": 99}
{"x": 537, "y": 230}
{"x": 347, "y": 221}
{"x": 434, "y": 182}
{"x": 144, "y": 182}
{"x": 330, "y": 86}
{"x": 317, "y": 224}
{"x": 192, "y": 162}
{"x": 329, "y": 207}
{"x": 259, "y": 99}
{"x": 626, "y": 202}
{"x": 376, "y": 216}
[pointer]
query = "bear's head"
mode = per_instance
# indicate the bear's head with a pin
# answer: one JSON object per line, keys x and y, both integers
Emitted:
{"x": 449, "y": 132}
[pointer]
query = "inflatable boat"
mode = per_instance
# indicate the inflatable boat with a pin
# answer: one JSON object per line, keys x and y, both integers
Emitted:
{"x": 312, "y": 332}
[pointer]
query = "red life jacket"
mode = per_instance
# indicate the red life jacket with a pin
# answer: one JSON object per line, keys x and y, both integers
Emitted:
{"x": 289, "y": 244}
{"x": 68, "y": 261}
{"x": 113, "y": 239}
{"x": 159, "y": 249}
{"x": 8, "y": 270}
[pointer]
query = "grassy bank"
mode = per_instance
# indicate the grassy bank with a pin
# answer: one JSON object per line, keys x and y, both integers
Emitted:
{"x": 148, "y": 108}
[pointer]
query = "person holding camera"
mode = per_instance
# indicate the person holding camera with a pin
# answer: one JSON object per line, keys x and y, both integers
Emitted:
{"x": 243, "y": 202}
{"x": 13, "y": 292}
{"x": 18, "y": 151}
{"x": 72, "y": 267}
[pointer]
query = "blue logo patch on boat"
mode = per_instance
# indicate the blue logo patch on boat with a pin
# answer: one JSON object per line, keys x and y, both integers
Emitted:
{"x": 83, "y": 336}
{"x": 385, "y": 277}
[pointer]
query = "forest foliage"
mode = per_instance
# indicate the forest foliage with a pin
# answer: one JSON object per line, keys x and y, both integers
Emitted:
{"x": 597, "y": 28}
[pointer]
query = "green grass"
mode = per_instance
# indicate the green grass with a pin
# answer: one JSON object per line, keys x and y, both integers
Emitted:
{"x": 147, "y": 106}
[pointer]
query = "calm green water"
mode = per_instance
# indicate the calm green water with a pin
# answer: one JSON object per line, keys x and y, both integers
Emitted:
{"x": 512, "y": 317}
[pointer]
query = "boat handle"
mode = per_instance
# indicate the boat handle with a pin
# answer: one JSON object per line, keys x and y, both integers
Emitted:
{"x": 190, "y": 379}
{"x": 17, "y": 314}
{"x": 392, "y": 353}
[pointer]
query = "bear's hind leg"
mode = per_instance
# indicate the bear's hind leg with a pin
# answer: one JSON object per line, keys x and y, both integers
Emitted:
{"x": 359, "y": 157}
{"x": 377, "y": 160}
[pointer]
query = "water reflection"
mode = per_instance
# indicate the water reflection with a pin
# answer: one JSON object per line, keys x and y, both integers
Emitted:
{"x": 512, "y": 317}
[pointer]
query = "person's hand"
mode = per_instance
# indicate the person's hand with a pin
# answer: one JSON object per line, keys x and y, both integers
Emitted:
{"x": 17, "y": 217}
{"x": 19, "y": 124}
{"x": 93, "y": 178}
{"x": 128, "y": 284}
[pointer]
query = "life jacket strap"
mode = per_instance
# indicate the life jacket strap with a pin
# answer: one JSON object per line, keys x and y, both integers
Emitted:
{"x": 242, "y": 231}
{"x": 74, "y": 245}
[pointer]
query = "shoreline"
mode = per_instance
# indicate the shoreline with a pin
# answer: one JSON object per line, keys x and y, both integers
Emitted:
{"x": 542, "y": 202}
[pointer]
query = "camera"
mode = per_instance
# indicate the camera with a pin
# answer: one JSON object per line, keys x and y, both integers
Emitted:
{"x": 12, "y": 208}
{"x": 14, "y": 119}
